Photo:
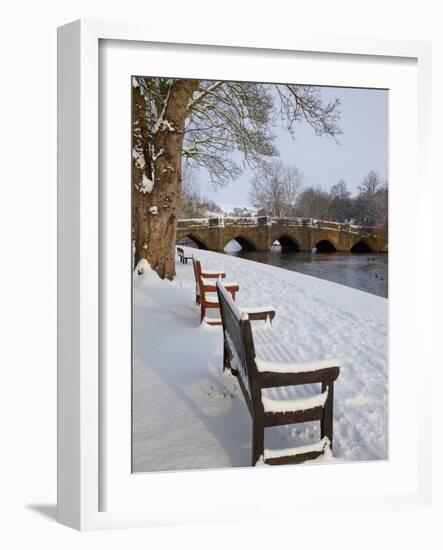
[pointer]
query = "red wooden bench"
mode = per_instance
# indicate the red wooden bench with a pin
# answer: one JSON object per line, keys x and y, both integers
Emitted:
{"x": 206, "y": 291}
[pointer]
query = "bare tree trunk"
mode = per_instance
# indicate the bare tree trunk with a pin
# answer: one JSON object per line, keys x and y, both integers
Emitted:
{"x": 141, "y": 166}
{"x": 140, "y": 211}
{"x": 155, "y": 239}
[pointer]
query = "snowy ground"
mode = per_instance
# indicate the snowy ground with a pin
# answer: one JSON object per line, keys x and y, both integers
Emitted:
{"x": 187, "y": 414}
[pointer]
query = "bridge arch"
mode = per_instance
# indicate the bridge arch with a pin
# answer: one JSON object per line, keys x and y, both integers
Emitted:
{"x": 288, "y": 243}
{"x": 326, "y": 246}
{"x": 200, "y": 243}
{"x": 245, "y": 243}
{"x": 361, "y": 247}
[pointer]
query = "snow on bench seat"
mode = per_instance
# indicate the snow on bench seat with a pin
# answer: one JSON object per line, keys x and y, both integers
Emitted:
{"x": 274, "y": 355}
{"x": 318, "y": 447}
{"x": 212, "y": 320}
{"x": 211, "y": 282}
{"x": 272, "y": 366}
{"x": 292, "y": 405}
{"x": 211, "y": 297}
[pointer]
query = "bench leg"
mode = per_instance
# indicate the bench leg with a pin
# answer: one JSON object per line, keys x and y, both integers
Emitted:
{"x": 328, "y": 413}
{"x": 258, "y": 438}
{"x": 202, "y": 311}
{"x": 226, "y": 361}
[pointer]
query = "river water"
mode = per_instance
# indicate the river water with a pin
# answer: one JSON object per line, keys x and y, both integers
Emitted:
{"x": 368, "y": 272}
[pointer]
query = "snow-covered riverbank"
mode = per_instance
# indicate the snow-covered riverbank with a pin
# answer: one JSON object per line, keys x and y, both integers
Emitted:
{"x": 188, "y": 414}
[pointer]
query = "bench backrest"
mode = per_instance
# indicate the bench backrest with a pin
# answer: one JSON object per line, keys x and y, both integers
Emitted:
{"x": 238, "y": 339}
{"x": 198, "y": 278}
{"x": 180, "y": 251}
{"x": 197, "y": 272}
{"x": 198, "y": 275}
{"x": 197, "y": 269}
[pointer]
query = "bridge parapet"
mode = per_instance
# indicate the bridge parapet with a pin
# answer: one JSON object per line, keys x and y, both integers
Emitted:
{"x": 247, "y": 221}
{"x": 259, "y": 232}
{"x": 195, "y": 223}
{"x": 363, "y": 231}
{"x": 292, "y": 222}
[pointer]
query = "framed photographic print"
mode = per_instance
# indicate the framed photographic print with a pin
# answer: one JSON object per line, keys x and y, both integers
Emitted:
{"x": 276, "y": 219}
{"x": 238, "y": 313}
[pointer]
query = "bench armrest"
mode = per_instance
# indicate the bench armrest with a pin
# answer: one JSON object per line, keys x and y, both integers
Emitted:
{"x": 275, "y": 379}
{"x": 259, "y": 314}
{"x": 211, "y": 287}
{"x": 232, "y": 286}
{"x": 213, "y": 274}
{"x": 293, "y": 374}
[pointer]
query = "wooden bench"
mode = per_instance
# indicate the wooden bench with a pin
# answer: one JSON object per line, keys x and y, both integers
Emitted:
{"x": 183, "y": 257}
{"x": 255, "y": 375}
{"x": 206, "y": 291}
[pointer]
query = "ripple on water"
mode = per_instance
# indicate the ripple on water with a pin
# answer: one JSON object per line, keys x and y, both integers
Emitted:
{"x": 367, "y": 272}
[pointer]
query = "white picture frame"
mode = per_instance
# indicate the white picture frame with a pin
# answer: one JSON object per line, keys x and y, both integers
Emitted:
{"x": 80, "y": 390}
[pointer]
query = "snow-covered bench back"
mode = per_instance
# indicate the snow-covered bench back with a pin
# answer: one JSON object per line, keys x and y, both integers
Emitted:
{"x": 238, "y": 337}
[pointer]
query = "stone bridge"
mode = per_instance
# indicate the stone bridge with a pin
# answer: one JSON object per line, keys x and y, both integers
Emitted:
{"x": 302, "y": 234}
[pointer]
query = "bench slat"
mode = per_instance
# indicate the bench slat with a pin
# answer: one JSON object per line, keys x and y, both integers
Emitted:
{"x": 293, "y": 405}
{"x": 281, "y": 419}
{"x": 293, "y": 459}
{"x": 295, "y": 455}
{"x": 274, "y": 380}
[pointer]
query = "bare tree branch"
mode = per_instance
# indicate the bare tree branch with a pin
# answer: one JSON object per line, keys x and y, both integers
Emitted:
{"x": 275, "y": 188}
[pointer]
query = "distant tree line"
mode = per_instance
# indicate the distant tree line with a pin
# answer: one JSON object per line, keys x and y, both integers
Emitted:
{"x": 240, "y": 212}
{"x": 278, "y": 191}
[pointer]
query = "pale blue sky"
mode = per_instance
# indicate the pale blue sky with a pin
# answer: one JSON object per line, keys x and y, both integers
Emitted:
{"x": 362, "y": 147}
